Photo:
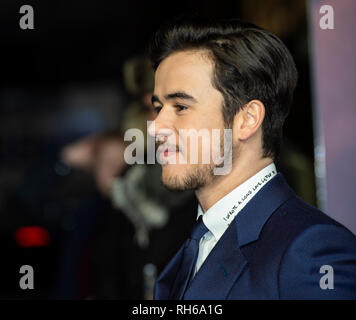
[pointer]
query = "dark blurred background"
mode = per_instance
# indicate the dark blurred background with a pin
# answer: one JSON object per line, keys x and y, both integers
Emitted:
{"x": 64, "y": 81}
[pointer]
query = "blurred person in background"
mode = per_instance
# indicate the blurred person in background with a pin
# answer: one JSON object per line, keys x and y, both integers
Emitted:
{"x": 126, "y": 252}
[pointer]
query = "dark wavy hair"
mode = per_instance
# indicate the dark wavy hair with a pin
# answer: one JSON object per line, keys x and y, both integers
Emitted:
{"x": 249, "y": 63}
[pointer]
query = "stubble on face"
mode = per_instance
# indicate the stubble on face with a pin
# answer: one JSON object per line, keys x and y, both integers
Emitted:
{"x": 196, "y": 176}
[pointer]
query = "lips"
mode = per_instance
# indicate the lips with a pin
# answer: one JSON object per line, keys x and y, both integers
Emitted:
{"x": 165, "y": 152}
{"x": 169, "y": 152}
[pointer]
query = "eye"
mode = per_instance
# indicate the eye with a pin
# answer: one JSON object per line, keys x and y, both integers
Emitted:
{"x": 157, "y": 109}
{"x": 180, "y": 107}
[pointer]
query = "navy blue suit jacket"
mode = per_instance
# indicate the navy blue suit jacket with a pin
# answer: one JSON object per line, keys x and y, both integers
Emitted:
{"x": 274, "y": 249}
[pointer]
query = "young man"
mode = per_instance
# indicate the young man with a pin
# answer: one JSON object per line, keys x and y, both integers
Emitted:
{"x": 256, "y": 239}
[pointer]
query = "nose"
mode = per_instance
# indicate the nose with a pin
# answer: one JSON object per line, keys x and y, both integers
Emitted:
{"x": 162, "y": 127}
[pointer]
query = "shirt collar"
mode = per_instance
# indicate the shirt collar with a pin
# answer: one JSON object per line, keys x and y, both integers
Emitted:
{"x": 222, "y": 213}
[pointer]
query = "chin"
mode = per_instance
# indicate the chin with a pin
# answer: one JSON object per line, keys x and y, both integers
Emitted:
{"x": 173, "y": 177}
{"x": 186, "y": 177}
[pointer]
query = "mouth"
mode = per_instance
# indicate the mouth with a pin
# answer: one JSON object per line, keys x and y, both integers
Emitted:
{"x": 167, "y": 152}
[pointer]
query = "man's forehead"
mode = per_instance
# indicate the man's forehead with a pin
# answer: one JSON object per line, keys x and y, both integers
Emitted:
{"x": 183, "y": 71}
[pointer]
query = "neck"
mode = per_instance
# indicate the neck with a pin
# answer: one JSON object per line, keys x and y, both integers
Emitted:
{"x": 222, "y": 185}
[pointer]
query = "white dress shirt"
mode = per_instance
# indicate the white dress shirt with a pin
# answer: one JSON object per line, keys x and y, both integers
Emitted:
{"x": 222, "y": 213}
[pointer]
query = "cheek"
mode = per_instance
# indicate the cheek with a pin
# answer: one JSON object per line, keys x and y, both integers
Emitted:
{"x": 205, "y": 122}
{"x": 200, "y": 146}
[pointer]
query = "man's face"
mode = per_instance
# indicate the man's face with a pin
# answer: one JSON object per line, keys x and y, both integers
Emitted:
{"x": 184, "y": 98}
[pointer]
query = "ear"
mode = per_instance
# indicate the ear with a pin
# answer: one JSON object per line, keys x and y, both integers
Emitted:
{"x": 249, "y": 119}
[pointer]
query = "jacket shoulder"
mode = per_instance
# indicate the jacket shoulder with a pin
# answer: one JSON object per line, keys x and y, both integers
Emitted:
{"x": 314, "y": 243}
{"x": 295, "y": 242}
{"x": 294, "y": 217}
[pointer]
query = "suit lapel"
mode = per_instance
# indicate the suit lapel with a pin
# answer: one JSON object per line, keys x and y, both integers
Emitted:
{"x": 225, "y": 263}
{"x": 251, "y": 219}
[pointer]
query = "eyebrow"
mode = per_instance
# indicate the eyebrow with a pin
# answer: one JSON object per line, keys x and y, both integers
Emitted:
{"x": 175, "y": 95}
